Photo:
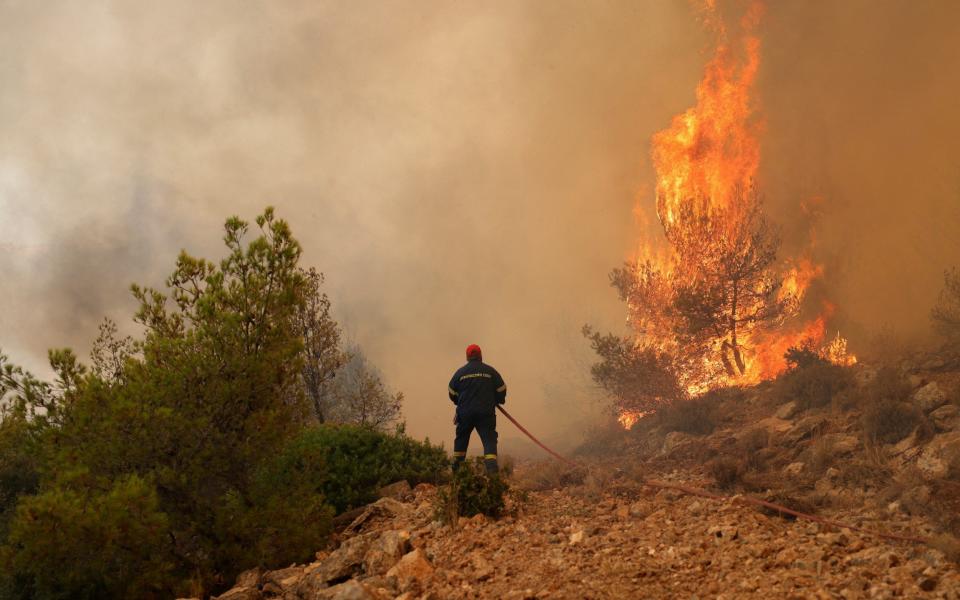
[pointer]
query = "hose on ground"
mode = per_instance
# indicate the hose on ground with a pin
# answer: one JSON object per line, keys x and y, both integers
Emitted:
{"x": 739, "y": 499}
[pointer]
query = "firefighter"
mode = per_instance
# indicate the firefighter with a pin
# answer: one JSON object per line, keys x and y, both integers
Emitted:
{"x": 476, "y": 389}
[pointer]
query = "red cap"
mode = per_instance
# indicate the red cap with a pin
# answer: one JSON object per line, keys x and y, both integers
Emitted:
{"x": 473, "y": 352}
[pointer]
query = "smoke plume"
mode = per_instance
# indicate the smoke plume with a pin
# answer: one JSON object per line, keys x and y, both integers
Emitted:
{"x": 461, "y": 172}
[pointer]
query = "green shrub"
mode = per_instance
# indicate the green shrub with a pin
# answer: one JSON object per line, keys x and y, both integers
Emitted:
{"x": 284, "y": 518}
{"x": 190, "y": 440}
{"x": 360, "y": 460}
{"x": 811, "y": 382}
{"x": 471, "y": 492}
{"x": 888, "y": 417}
{"x": 87, "y": 539}
{"x": 19, "y": 466}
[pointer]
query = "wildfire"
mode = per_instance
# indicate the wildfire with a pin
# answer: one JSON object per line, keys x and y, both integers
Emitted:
{"x": 706, "y": 163}
{"x": 836, "y": 352}
{"x": 712, "y": 148}
{"x": 629, "y": 418}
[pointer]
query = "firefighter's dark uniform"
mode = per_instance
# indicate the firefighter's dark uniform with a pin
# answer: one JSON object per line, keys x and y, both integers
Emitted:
{"x": 476, "y": 388}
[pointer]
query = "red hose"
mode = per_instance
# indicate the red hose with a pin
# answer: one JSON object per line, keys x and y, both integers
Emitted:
{"x": 535, "y": 440}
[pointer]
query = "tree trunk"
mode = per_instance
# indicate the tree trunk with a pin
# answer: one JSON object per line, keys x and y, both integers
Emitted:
{"x": 727, "y": 365}
{"x": 734, "y": 346}
{"x": 738, "y": 357}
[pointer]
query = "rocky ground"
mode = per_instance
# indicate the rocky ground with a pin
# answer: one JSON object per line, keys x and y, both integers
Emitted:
{"x": 598, "y": 531}
{"x": 622, "y": 541}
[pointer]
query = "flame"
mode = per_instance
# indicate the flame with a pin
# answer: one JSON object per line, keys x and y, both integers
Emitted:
{"x": 713, "y": 147}
{"x": 629, "y": 418}
{"x": 836, "y": 352}
{"x": 707, "y": 155}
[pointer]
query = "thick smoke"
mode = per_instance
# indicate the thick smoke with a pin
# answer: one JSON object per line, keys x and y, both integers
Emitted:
{"x": 462, "y": 172}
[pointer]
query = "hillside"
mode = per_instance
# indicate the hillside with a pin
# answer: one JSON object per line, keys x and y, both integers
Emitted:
{"x": 600, "y": 531}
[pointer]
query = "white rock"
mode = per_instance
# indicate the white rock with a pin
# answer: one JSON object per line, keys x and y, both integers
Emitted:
{"x": 786, "y": 411}
{"x": 946, "y": 417}
{"x": 930, "y": 397}
{"x": 794, "y": 468}
{"x": 935, "y": 459}
{"x": 842, "y": 443}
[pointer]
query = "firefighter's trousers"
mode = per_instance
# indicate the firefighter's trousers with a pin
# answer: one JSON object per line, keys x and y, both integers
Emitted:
{"x": 486, "y": 426}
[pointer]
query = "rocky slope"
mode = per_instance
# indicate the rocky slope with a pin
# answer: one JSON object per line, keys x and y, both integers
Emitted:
{"x": 598, "y": 531}
{"x": 615, "y": 539}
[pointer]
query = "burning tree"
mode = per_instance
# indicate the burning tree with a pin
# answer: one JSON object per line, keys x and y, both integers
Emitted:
{"x": 720, "y": 290}
{"x": 710, "y": 304}
{"x": 639, "y": 377}
{"x": 725, "y": 286}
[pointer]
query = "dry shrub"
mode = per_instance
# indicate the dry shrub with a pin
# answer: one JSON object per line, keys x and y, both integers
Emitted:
{"x": 755, "y": 439}
{"x": 696, "y": 416}
{"x": 948, "y": 544}
{"x": 887, "y": 416}
{"x": 885, "y": 347}
{"x": 605, "y": 439}
{"x": 889, "y": 422}
{"x": 876, "y": 455}
{"x": 793, "y": 502}
{"x": 727, "y": 472}
{"x": 861, "y": 473}
{"x": 821, "y": 455}
{"x": 755, "y": 451}
{"x": 551, "y": 475}
{"x": 812, "y": 382}
{"x": 594, "y": 484}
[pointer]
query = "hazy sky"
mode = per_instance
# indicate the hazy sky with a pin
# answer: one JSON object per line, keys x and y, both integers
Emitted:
{"x": 461, "y": 172}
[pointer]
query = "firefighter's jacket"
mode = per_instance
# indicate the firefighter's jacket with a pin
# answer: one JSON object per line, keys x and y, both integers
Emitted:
{"x": 476, "y": 388}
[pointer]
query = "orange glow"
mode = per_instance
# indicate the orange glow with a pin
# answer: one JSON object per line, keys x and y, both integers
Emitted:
{"x": 707, "y": 154}
{"x": 836, "y": 352}
{"x": 629, "y": 418}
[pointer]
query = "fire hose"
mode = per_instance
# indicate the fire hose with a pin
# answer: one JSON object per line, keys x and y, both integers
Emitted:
{"x": 739, "y": 499}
